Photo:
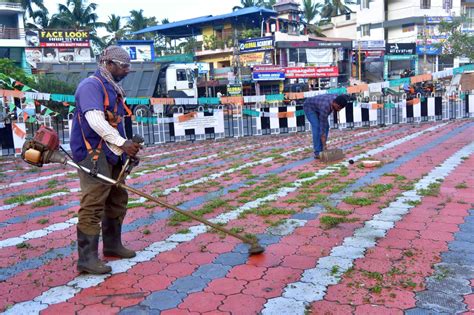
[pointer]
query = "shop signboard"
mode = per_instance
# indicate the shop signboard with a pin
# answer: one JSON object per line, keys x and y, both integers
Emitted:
{"x": 368, "y": 44}
{"x": 57, "y": 55}
{"x": 428, "y": 50}
{"x": 64, "y": 38}
{"x": 438, "y": 19}
{"x": 234, "y": 89}
{"x": 268, "y": 73}
{"x": 314, "y": 44}
{"x": 257, "y": 58}
{"x": 138, "y": 50}
{"x": 311, "y": 72}
{"x": 255, "y": 44}
{"x": 400, "y": 49}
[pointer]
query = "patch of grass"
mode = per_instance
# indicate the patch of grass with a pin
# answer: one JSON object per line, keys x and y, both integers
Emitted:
{"x": 358, "y": 201}
{"x": 378, "y": 190}
{"x": 377, "y": 289}
{"x": 246, "y": 171}
{"x": 338, "y": 212}
{"x": 406, "y": 187}
{"x": 431, "y": 190}
{"x": 52, "y": 183}
{"x": 275, "y": 223}
{"x": 42, "y": 221}
{"x": 23, "y": 245}
{"x": 334, "y": 270}
{"x": 305, "y": 175}
{"x": 462, "y": 185}
{"x": 21, "y": 199}
{"x": 397, "y": 176}
{"x": 408, "y": 253}
{"x": 373, "y": 275}
{"x": 328, "y": 222}
{"x": 146, "y": 231}
{"x": 413, "y": 203}
{"x": 270, "y": 211}
{"x": 237, "y": 229}
{"x": 43, "y": 203}
{"x": 183, "y": 231}
{"x": 344, "y": 171}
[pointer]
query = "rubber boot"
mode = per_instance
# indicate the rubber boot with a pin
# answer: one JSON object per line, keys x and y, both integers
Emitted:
{"x": 112, "y": 238}
{"x": 89, "y": 262}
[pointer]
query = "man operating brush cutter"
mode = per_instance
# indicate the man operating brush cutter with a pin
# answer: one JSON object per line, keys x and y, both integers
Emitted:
{"x": 98, "y": 142}
{"x": 44, "y": 149}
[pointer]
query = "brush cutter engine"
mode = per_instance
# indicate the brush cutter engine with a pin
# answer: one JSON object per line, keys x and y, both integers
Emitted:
{"x": 43, "y": 148}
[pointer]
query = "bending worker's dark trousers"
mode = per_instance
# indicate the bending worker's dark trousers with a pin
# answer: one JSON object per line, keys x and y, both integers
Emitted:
{"x": 99, "y": 199}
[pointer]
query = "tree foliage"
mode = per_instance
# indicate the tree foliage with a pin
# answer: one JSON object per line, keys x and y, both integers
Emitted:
{"x": 8, "y": 68}
{"x": 311, "y": 9}
{"x": 333, "y": 8}
{"x": 458, "y": 43}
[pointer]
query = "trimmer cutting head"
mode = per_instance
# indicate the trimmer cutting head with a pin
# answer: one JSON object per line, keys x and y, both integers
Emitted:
{"x": 256, "y": 249}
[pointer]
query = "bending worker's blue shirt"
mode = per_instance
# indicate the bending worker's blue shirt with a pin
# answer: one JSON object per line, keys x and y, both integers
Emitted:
{"x": 322, "y": 105}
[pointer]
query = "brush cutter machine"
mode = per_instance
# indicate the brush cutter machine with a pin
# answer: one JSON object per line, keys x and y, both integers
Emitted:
{"x": 44, "y": 149}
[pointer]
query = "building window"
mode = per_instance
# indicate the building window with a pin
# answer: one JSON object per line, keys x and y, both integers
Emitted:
{"x": 469, "y": 23}
{"x": 364, "y": 4}
{"x": 365, "y": 30}
{"x": 406, "y": 28}
{"x": 181, "y": 75}
{"x": 425, "y": 4}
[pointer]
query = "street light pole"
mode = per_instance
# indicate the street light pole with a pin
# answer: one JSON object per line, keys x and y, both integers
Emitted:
{"x": 360, "y": 62}
{"x": 424, "y": 44}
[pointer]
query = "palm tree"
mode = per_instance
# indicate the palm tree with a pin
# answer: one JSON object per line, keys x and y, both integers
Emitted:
{"x": 114, "y": 27}
{"x": 137, "y": 21}
{"x": 248, "y": 4}
{"x": 40, "y": 20}
{"x": 27, "y": 5}
{"x": 311, "y": 10}
{"x": 333, "y": 8}
{"x": 269, "y": 4}
{"x": 79, "y": 15}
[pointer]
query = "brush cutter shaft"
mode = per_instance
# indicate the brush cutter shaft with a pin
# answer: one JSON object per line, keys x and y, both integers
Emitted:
{"x": 166, "y": 205}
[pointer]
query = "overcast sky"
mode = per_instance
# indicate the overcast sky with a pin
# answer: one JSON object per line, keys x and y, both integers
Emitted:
{"x": 174, "y": 10}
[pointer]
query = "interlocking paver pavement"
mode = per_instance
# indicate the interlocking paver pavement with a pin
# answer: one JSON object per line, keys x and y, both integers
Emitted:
{"x": 405, "y": 245}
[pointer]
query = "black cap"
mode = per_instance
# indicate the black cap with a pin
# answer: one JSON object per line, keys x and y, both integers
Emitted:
{"x": 341, "y": 100}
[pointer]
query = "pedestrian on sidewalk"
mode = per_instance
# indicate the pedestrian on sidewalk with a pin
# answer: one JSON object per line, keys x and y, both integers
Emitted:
{"x": 317, "y": 110}
{"x": 98, "y": 142}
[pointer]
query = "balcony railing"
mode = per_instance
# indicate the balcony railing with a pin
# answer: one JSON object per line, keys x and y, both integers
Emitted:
{"x": 10, "y": 4}
{"x": 11, "y": 33}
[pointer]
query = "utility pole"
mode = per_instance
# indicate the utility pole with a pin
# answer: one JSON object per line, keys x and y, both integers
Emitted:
{"x": 360, "y": 61}
{"x": 424, "y": 44}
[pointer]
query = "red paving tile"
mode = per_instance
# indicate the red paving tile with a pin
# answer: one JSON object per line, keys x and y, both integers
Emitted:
{"x": 242, "y": 304}
{"x": 201, "y": 302}
{"x": 226, "y": 286}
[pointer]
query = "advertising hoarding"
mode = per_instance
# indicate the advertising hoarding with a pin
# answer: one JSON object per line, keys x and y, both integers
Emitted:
{"x": 62, "y": 38}
{"x": 256, "y": 44}
{"x": 311, "y": 72}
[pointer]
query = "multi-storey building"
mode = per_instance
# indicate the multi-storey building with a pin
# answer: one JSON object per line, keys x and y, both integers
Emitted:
{"x": 12, "y": 34}
{"x": 394, "y": 36}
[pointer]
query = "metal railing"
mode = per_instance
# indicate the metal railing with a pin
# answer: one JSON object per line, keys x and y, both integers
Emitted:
{"x": 12, "y": 33}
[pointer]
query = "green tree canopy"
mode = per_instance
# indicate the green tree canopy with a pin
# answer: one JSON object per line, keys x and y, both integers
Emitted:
{"x": 458, "y": 43}
{"x": 333, "y": 8}
{"x": 311, "y": 9}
